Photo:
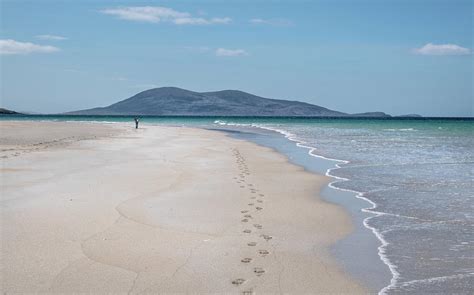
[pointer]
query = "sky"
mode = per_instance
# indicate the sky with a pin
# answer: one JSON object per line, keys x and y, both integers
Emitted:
{"x": 399, "y": 57}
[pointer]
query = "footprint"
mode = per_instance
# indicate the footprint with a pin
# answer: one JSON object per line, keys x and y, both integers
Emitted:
{"x": 244, "y": 211}
{"x": 246, "y": 260}
{"x": 263, "y": 252}
{"x": 238, "y": 282}
{"x": 260, "y": 201}
{"x": 253, "y": 198}
{"x": 251, "y": 204}
{"x": 261, "y": 195}
{"x": 247, "y": 231}
{"x": 248, "y": 292}
{"x": 259, "y": 271}
{"x": 252, "y": 244}
{"x": 258, "y": 208}
{"x": 242, "y": 186}
{"x": 245, "y": 220}
{"x": 266, "y": 237}
{"x": 248, "y": 216}
{"x": 259, "y": 226}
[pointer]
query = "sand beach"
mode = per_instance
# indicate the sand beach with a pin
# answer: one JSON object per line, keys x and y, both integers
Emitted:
{"x": 105, "y": 208}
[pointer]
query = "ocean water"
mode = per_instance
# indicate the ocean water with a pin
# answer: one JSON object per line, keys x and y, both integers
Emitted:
{"x": 414, "y": 179}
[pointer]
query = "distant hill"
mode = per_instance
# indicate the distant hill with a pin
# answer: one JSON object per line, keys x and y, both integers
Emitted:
{"x": 7, "y": 112}
{"x": 172, "y": 101}
{"x": 372, "y": 115}
{"x": 410, "y": 116}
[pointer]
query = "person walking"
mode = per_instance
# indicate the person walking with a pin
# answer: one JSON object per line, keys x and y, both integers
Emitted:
{"x": 136, "y": 122}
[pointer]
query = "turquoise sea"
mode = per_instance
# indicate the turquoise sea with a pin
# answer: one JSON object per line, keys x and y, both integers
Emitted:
{"x": 412, "y": 179}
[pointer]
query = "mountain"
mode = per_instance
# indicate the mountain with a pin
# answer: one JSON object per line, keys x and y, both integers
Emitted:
{"x": 7, "y": 112}
{"x": 172, "y": 101}
{"x": 180, "y": 102}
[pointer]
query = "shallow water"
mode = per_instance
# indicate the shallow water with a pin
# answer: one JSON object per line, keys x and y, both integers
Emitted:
{"x": 417, "y": 173}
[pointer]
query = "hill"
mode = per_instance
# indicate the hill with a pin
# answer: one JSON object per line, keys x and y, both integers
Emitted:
{"x": 180, "y": 102}
{"x": 173, "y": 101}
{"x": 7, "y": 112}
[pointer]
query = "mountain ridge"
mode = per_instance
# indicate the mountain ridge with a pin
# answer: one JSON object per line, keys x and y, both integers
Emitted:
{"x": 173, "y": 101}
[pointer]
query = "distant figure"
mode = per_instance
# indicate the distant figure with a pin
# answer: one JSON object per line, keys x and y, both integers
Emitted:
{"x": 136, "y": 122}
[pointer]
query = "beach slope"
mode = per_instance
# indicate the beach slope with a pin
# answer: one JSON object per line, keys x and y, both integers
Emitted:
{"x": 109, "y": 209}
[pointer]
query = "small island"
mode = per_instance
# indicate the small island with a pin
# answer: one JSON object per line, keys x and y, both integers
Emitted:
{"x": 7, "y": 112}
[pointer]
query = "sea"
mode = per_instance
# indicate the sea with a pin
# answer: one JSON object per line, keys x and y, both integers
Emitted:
{"x": 407, "y": 183}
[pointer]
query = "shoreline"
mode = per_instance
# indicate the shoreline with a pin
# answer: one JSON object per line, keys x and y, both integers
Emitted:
{"x": 357, "y": 194}
{"x": 195, "y": 205}
{"x": 390, "y": 250}
{"x": 331, "y": 193}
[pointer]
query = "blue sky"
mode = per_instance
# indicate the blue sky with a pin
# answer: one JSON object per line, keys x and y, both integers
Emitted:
{"x": 354, "y": 56}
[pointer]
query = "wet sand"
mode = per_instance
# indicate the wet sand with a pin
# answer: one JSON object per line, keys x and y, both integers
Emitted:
{"x": 110, "y": 209}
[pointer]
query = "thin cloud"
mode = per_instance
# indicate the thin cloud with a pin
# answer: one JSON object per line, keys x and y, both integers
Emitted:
{"x": 271, "y": 22}
{"x": 231, "y": 52}
{"x": 442, "y": 49}
{"x": 51, "y": 37}
{"x": 9, "y": 46}
{"x": 158, "y": 14}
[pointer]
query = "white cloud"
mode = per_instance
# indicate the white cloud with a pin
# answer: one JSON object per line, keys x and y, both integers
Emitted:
{"x": 271, "y": 22}
{"x": 221, "y": 20}
{"x": 201, "y": 21}
{"x": 9, "y": 46}
{"x": 157, "y": 14}
{"x": 442, "y": 49}
{"x": 51, "y": 37}
{"x": 231, "y": 52}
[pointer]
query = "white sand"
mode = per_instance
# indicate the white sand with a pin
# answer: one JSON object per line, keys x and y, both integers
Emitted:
{"x": 159, "y": 210}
